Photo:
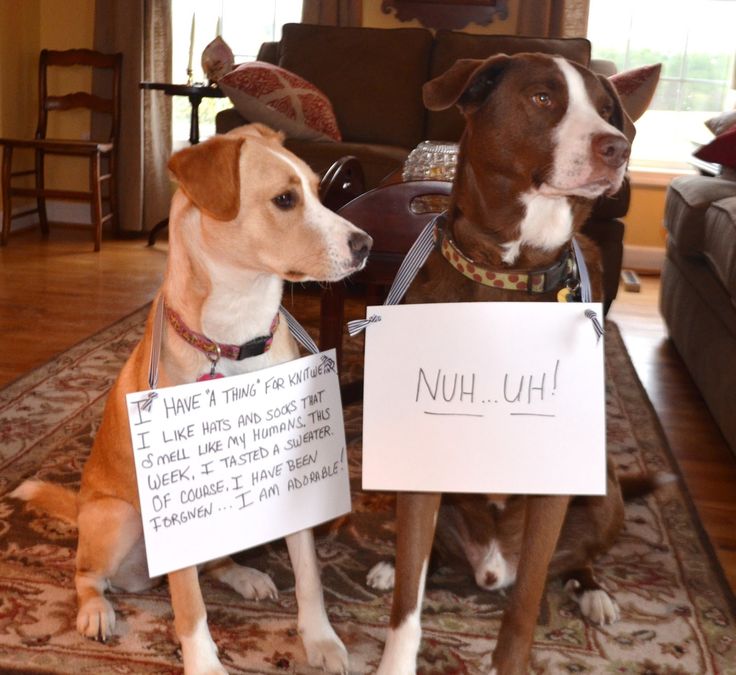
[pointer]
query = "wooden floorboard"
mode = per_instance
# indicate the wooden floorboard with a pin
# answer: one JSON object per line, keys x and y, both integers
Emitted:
{"x": 55, "y": 293}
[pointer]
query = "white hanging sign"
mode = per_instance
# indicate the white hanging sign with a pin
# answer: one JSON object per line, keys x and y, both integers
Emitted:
{"x": 484, "y": 397}
{"x": 228, "y": 464}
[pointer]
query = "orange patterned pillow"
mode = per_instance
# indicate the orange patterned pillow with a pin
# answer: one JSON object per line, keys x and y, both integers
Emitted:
{"x": 262, "y": 92}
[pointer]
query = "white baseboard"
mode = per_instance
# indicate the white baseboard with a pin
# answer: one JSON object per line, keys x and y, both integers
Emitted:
{"x": 643, "y": 258}
{"x": 56, "y": 211}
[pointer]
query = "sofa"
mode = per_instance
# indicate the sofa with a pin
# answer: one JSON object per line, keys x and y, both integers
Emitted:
{"x": 373, "y": 78}
{"x": 698, "y": 288}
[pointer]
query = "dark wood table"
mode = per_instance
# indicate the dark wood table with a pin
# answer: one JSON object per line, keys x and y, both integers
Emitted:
{"x": 194, "y": 92}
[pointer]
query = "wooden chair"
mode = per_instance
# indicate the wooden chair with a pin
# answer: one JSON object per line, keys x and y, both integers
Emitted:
{"x": 393, "y": 215}
{"x": 97, "y": 152}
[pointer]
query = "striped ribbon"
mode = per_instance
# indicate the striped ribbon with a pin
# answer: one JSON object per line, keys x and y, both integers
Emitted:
{"x": 299, "y": 333}
{"x": 410, "y": 265}
{"x": 586, "y": 290}
{"x": 417, "y": 256}
{"x": 158, "y": 328}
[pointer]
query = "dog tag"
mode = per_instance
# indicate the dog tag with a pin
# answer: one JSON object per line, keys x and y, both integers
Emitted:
{"x": 209, "y": 376}
{"x": 565, "y": 295}
{"x": 212, "y": 375}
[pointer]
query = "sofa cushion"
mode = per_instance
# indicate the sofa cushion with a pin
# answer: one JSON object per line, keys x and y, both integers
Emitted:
{"x": 688, "y": 199}
{"x": 722, "y": 122}
{"x": 719, "y": 242}
{"x": 372, "y": 76}
{"x": 262, "y": 92}
{"x": 449, "y": 46}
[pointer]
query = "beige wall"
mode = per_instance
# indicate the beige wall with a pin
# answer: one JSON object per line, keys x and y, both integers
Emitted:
{"x": 26, "y": 27}
{"x": 645, "y": 217}
{"x": 20, "y": 39}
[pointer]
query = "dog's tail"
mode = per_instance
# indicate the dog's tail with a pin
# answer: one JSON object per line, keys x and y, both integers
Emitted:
{"x": 57, "y": 501}
{"x": 634, "y": 487}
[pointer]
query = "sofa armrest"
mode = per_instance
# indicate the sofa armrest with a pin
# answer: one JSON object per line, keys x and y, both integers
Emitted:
{"x": 269, "y": 52}
{"x": 686, "y": 203}
{"x": 228, "y": 119}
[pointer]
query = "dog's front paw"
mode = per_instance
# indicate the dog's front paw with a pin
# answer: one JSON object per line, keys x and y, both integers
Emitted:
{"x": 96, "y": 619}
{"x": 381, "y": 576}
{"x": 253, "y": 584}
{"x": 325, "y": 650}
{"x": 596, "y": 605}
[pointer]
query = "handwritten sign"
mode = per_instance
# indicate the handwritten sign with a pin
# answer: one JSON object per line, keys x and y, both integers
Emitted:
{"x": 484, "y": 397}
{"x": 231, "y": 463}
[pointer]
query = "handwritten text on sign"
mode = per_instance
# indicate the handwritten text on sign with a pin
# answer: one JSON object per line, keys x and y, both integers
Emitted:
{"x": 231, "y": 463}
{"x": 484, "y": 397}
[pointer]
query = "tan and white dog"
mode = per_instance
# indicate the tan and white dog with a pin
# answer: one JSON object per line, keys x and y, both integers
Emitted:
{"x": 246, "y": 217}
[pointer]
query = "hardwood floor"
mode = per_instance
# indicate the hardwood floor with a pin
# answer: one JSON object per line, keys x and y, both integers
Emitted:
{"x": 707, "y": 463}
{"x": 55, "y": 293}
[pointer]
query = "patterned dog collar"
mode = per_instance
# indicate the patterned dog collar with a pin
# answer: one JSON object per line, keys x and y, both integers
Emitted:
{"x": 530, "y": 281}
{"x": 215, "y": 350}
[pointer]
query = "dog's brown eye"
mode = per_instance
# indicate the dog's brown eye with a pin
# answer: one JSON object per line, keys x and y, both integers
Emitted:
{"x": 542, "y": 99}
{"x": 285, "y": 201}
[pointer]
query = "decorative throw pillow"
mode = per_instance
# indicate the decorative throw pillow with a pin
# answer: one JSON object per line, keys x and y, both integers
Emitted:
{"x": 721, "y": 150}
{"x": 722, "y": 122}
{"x": 636, "y": 88}
{"x": 262, "y": 92}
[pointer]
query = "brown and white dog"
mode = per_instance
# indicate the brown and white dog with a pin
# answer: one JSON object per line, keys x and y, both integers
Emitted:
{"x": 544, "y": 137}
{"x": 484, "y": 532}
{"x": 246, "y": 217}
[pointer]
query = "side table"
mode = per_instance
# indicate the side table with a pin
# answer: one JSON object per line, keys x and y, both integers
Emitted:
{"x": 194, "y": 92}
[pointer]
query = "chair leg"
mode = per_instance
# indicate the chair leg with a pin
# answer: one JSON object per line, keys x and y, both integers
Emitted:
{"x": 7, "y": 206}
{"x": 331, "y": 318}
{"x": 112, "y": 187}
{"x": 96, "y": 203}
{"x": 41, "y": 199}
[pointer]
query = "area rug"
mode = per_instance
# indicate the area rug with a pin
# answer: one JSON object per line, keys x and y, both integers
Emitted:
{"x": 678, "y": 614}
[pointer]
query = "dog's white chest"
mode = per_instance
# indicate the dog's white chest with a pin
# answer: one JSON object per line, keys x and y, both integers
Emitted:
{"x": 547, "y": 224}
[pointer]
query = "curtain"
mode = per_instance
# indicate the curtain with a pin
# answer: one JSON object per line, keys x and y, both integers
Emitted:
{"x": 553, "y": 18}
{"x": 333, "y": 12}
{"x": 141, "y": 30}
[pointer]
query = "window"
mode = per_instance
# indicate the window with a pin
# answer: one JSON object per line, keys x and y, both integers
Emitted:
{"x": 693, "y": 39}
{"x": 244, "y": 26}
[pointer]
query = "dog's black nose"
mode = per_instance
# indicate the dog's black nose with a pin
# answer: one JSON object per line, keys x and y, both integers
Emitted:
{"x": 360, "y": 244}
{"x": 612, "y": 150}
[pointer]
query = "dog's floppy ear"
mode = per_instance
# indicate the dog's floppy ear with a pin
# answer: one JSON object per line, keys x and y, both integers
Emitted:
{"x": 466, "y": 83}
{"x": 620, "y": 118}
{"x": 209, "y": 175}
